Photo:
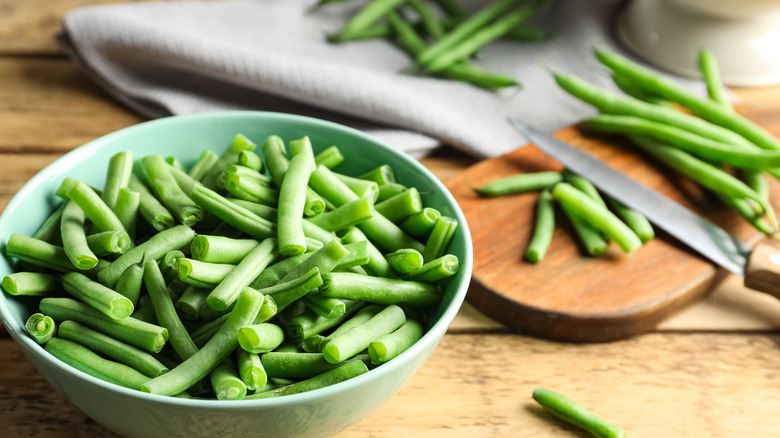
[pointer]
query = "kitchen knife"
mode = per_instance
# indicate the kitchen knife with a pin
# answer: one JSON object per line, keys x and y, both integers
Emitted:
{"x": 760, "y": 265}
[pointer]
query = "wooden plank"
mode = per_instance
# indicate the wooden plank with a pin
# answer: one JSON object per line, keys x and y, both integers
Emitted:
{"x": 49, "y": 105}
{"x": 701, "y": 385}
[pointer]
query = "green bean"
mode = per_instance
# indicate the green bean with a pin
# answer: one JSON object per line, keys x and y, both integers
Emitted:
{"x": 703, "y": 172}
{"x": 202, "y": 334}
{"x": 154, "y": 248}
{"x": 401, "y": 206}
{"x": 191, "y": 300}
{"x": 435, "y": 270}
{"x": 119, "y": 351}
{"x": 46, "y": 255}
{"x": 379, "y": 229}
{"x": 392, "y": 344}
{"x": 405, "y": 261}
{"x": 149, "y": 337}
{"x": 202, "y": 274}
{"x": 218, "y": 249}
{"x": 309, "y": 323}
{"x": 361, "y": 316}
{"x": 229, "y": 156}
{"x": 40, "y": 327}
{"x": 389, "y": 190}
{"x": 612, "y": 103}
{"x": 703, "y": 147}
{"x": 293, "y": 365}
{"x": 708, "y": 110}
{"x": 330, "y": 157}
{"x": 360, "y": 187}
{"x": 120, "y": 166}
{"x": 242, "y": 275}
{"x": 440, "y": 238}
{"x": 367, "y": 16}
{"x": 340, "y": 374}
{"x": 150, "y": 208}
{"x": 599, "y": 217}
{"x": 212, "y": 353}
{"x": 178, "y": 336}
{"x": 292, "y": 198}
{"x": 30, "y": 284}
{"x": 573, "y": 413}
{"x": 83, "y": 359}
{"x": 260, "y": 338}
{"x": 630, "y": 88}
{"x": 465, "y": 29}
{"x": 128, "y": 204}
{"x": 428, "y": 18}
{"x": 251, "y": 370}
{"x": 168, "y": 191}
{"x": 274, "y": 273}
{"x": 94, "y": 208}
{"x": 144, "y": 310}
{"x": 344, "y": 346}
{"x": 175, "y": 163}
{"x": 708, "y": 65}
{"x": 226, "y": 382}
{"x": 251, "y": 160}
{"x": 324, "y": 306}
{"x": 583, "y": 185}
{"x": 108, "y": 242}
{"x": 310, "y": 230}
{"x": 543, "y": 230}
{"x": 107, "y": 301}
{"x": 419, "y": 224}
{"x": 49, "y": 231}
{"x": 235, "y": 215}
{"x": 205, "y": 161}
{"x": 377, "y": 263}
{"x": 326, "y": 259}
{"x": 379, "y": 290}
{"x": 287, "y": 292}
{"x": 346, "y": 215}
{"x": 634, "y": 219}
{"x": 520, "y": 183}
{"x": 359, "y": 255}
{"x": 168, "y": 264}
{"x": 471, "y": 43}
{"x": 74, "y": 238}
{"x": 249, "y": 189}
{"x": 381, "y": 175}
{"x": 591, "y": 239}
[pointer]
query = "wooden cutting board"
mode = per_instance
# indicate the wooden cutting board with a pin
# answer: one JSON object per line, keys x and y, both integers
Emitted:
{"x": 570, "y": 296}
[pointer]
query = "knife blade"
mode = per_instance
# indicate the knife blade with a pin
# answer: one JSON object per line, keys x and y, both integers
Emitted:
{"x": 701, "y": 235}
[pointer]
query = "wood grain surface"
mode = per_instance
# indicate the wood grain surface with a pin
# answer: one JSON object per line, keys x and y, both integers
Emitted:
{"x": 569, "y": 295}
{"x": 708, "y": 371}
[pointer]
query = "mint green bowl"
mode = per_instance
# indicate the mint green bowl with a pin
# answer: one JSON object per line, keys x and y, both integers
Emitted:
{"x": 321, "y": 413}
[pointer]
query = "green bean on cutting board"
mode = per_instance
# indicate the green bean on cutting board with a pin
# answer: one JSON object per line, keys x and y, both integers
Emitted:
{"x": 199, "y": 308}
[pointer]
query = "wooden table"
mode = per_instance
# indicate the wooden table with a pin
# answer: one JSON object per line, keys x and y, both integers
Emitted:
{"x": 711, "y": 371}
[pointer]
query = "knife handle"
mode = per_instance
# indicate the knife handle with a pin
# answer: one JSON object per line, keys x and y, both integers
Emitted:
{"x": 762, "y": 271}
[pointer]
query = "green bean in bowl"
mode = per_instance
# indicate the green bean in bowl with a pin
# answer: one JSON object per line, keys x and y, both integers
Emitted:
{"x": 227, "y": 273}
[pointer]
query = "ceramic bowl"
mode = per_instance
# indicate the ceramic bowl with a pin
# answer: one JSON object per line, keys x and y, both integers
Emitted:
{"x": 320, "y": 413}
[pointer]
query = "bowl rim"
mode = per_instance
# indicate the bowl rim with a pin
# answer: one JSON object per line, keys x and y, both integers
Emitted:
{"x": 430, "y": 338}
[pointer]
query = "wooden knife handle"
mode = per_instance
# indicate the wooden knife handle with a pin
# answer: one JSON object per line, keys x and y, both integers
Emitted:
{"x": 762, "y": 271}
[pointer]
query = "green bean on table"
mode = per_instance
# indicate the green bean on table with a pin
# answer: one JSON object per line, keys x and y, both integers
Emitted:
{"x": 569, "y": 411}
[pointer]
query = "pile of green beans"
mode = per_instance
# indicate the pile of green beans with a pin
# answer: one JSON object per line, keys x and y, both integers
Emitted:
{"x": 188, "y": 282}
{"x": 595, "y": 217}
{"x": 712, "y": 145}
{"x": 441, "y": 37}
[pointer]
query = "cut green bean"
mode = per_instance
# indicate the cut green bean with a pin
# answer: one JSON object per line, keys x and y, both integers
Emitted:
{"x": 94, "y": 208}
{"x": 202, "y": 274}
{"x": 251, "y": 370}
{"x": 213, "y": 352}
{"x": 251, "y": 160}
{"x": 190, "y": 302}
{"x": 204, "y": 163}
{"x": 274, "y": 273}
{"x": 569, "y": 411}
{"x": 30, "y": 284}
{"x": 360, "y": 187}
{"x": 249, "y": 189}
{"x": 287, "y": 292}
{"x": 40, "y": 327}
{"x": 83, "y": 359}
{"x": 597, "y": 216}
{"x": 582, "y": 184}
{"x": 387, "y": 191}
{"x": 359, "y": 255}
{"x": 401, "y": 206}
{"x": 361, "y": 316}
{"x": 226, "y": 382}
{"x": 235, "y": 215}
{"x": 108, "y": 242}
{"x": 324, "y": 306}
{"x": 292, "y": 199}
{"x": 294, "y": 365}
{"x": 634, "y": 219}
{"x": 128, "y": 204}
{"x": 49, "y": 231}
{"x": 120, "y": 166}
{"x": 440, "y": 238}
{"x": 376, "y": 260}
{"x": 74, "y": 238}
{"x": 308, "y": 323}
{"x": 419, "y": 224}
{"x": 269, "y": 214}
{"x": 346, "y": 215}
{"x": 154, "y": 248}
{"x": 149, "y": 207}
{"x": 344, "y": 346}
{"x": 543, "y": 229}
{"x": 521, "y": 183}
{"x": 392, "y": 344}
{"x": 242, "y": 275}
{"x": 107, "y": 301}
{"x": 405, "y": 261}
{"x": 260, "y": 338}
{"x": 229, "y": 156}
{"x": 435, "y": 270}
{"x": 168, "y": 191}
{"x": 46, "y": 255}
{"x": 326, "y": 259}
{"x": 218, "y": 249}
{"x": 591, "y": 239}
{"x": 329, "y": 157}
{"x": 379, "y": 290}
{"x": 149, "y": 337}
{"x": 381, "y": 175}
{"x": 164, "y": 309}
{"x": 337, "y": 375}
{"x": 121, "y": 352}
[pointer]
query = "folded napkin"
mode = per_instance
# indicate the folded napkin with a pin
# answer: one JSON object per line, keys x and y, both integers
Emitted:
{"x": 175, "y": 58}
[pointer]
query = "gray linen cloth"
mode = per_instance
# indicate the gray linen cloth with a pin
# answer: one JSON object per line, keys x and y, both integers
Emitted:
{"x": 176, "y": 58}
